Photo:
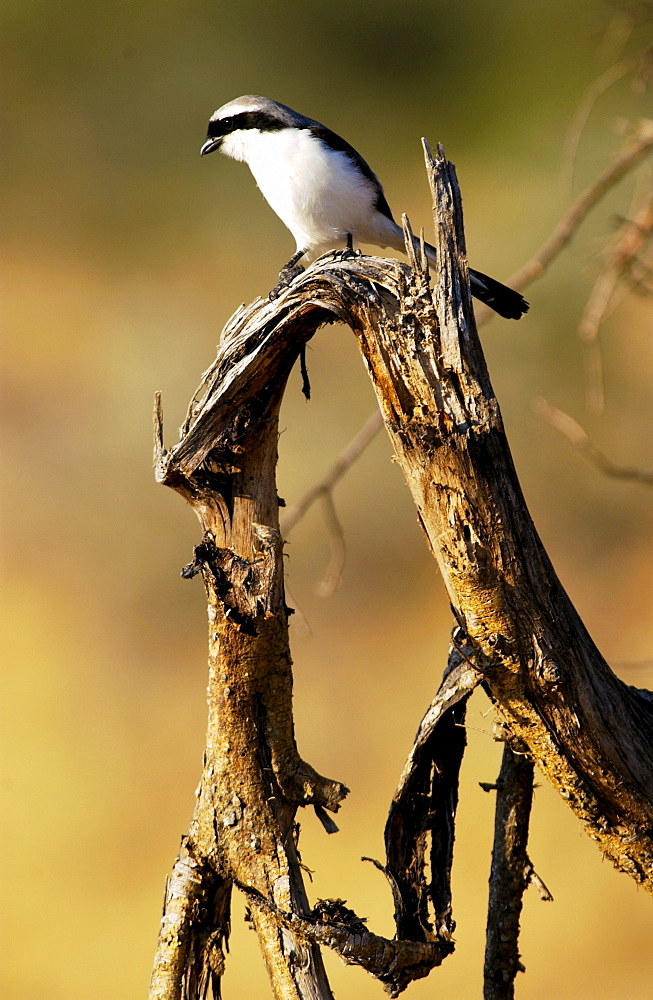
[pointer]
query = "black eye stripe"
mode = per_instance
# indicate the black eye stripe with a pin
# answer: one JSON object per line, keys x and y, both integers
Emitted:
{"x": 261, "y": 120}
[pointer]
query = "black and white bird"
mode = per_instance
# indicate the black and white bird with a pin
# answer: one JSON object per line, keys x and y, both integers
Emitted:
{"x": 321, "y": 188}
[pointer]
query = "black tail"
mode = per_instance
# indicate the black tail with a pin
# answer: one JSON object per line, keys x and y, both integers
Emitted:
{"x": 506, "y": 301}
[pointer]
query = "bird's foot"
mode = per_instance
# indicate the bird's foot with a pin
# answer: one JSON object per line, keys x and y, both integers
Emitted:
{"x": 286, "y": 277}
{"x": 347, "y": 254}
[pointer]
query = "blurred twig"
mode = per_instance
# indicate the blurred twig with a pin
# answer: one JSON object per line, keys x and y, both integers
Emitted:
{"x": 323, "y": 490}
{"x": 621, "y": 262}
{"x": 618, "y": 31}
{"x": 638, "y": 146}
{"x": 633, "y": 664}
{"x": 581, "y": 441}
{"x": 333, "y": 573}
{"x": 615, "y": 38}
{"x": 345, "y": 460}
{"x": 581, "y": 116}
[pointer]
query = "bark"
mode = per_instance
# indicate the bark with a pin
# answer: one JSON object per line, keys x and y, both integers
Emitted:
{"x": 517, "y": 630}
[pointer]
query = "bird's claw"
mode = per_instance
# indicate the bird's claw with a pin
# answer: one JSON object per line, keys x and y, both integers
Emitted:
{"x": 286, "y": 277}
{"x": 347, "y": 254}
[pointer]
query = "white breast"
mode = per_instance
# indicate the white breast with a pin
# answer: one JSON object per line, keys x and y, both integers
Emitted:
{"x": 317, "y": 192}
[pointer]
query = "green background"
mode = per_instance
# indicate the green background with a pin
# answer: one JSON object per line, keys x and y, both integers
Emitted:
{"x": 124, "y": 254}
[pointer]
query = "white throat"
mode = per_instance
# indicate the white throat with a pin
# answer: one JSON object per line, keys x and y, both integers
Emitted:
{"x": 236, "y": 144}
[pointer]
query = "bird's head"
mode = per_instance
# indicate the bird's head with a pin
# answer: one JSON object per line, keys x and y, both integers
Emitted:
{"x": 229, "y": 125}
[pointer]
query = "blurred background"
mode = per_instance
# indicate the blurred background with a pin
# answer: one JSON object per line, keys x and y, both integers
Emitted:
{"x": 124, "y": 255}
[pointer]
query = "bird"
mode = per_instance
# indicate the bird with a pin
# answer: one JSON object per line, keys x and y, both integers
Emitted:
{"x": 322, "y": 189}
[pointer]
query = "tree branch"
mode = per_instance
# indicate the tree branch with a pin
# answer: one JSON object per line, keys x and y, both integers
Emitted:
{"x": 587, "y": 731}
{"x": 597, "y": 87}
{"x": 510, "y": 875}
{"x": 394, "y": 963}
{"x": 253, "y": 778}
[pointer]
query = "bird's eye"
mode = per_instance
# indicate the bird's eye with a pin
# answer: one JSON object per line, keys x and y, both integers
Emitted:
{"x": 227, "y": 124}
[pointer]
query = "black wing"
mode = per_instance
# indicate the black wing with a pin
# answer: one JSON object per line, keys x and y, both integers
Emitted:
{"x": 334, "y": 141}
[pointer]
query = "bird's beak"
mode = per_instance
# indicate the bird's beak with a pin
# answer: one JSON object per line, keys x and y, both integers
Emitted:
{"x": 210, "y": 145}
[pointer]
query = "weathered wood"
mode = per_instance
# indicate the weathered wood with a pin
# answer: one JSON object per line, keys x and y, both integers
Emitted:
{"x": 253, "y": 781}
{"x": 589, "y": 733}
{"x": 253, "y": 778}
{"x": 510, "y": 874}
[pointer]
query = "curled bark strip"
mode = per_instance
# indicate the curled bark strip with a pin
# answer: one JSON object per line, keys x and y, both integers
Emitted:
{"x": 209, "y": 944}
{"x": 419, "y": 832}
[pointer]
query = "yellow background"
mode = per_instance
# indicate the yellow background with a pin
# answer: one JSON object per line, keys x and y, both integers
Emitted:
{"x": 124, "y": 254}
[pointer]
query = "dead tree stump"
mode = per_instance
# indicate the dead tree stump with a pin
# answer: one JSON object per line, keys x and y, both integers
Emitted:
{"x": 516, "y": 632}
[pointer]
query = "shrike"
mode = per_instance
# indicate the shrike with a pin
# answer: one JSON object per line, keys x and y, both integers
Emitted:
{"x": 321, "y": 188}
